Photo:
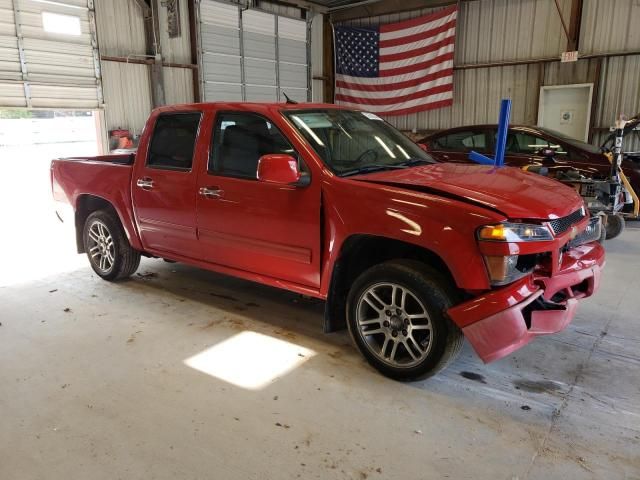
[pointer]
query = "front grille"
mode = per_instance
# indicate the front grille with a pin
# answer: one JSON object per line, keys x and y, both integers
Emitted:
{"x": 563, "y": 224}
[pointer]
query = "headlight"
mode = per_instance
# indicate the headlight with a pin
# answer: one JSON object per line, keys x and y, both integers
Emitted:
{"x": 514, "y": 232}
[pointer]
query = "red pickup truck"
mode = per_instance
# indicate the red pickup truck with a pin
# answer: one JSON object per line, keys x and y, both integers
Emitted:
{"x": 411, "y": 255}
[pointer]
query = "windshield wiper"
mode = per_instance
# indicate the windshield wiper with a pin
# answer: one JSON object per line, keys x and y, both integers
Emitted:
{"x": 379, "y": 167}
{"x": 371, "y": 168}
{"x": 413, "y": 161}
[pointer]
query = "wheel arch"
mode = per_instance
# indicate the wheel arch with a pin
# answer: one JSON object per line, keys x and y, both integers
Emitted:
{"x": 360, "y": 252}
{"x": 86, "y": 204}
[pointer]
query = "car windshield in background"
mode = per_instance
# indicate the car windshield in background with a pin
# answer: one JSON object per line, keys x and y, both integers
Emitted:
{"x": 351, "y": 142}
{"x": 572, "y": 141}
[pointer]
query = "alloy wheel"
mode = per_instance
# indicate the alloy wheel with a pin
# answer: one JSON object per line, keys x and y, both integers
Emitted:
{"x": 101, "y": 247}
{"x": 394, "y": 324}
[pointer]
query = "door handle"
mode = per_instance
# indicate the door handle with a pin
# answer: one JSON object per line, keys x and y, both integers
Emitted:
{"x": 211, "y": 192}
{"x": 145, "y": 183}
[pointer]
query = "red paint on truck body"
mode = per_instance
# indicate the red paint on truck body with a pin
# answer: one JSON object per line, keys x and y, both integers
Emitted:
{"x": 291, "y": 237}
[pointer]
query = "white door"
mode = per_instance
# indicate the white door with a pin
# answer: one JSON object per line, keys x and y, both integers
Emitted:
{"x": 251, "y": 55}
{"x": 49, "y": 55}
{"x": 566, "y": 109}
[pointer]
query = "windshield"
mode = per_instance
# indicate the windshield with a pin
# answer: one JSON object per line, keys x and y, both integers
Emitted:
{"x": 351, "y": 142}
{"x": 572, "y": 141}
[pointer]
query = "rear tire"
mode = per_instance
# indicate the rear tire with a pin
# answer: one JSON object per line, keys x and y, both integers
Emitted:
{"x": 615, "y": 225}
{"x": 105, "y": 242}
{"x": 396, "y": 314}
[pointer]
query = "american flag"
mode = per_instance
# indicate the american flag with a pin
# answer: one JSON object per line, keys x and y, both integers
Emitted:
{"x": 397, "y": 68}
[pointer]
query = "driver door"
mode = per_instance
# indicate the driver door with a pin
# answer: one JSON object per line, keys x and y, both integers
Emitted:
{"x": 249, "y": 225}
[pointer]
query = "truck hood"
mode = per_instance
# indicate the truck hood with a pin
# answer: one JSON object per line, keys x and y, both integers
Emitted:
{"x": 510, "y": 191}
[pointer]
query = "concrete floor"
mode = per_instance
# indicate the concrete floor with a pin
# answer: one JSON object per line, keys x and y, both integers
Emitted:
{"x": 161, "y": 377}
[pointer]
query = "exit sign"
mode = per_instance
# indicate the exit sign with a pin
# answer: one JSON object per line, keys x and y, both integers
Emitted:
{"x": 569, "y": 56}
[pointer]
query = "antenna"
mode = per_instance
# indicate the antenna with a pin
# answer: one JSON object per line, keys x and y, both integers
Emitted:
{"x": 288, "y": 99}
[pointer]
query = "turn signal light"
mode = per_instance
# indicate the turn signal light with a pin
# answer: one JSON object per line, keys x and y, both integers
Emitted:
{"x": 514, "y": 232}
{"x": 509, "y": 268}
{"x": 493, "y": 232}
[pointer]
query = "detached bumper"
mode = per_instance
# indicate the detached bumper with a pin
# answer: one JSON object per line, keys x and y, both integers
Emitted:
{"x": 501, "y": 321}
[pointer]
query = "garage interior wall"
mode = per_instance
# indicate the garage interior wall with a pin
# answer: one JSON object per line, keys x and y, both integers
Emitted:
{"x": 45, "y": 64}
{"x": 127, "y": 86}
{"x": 528, "y": 31}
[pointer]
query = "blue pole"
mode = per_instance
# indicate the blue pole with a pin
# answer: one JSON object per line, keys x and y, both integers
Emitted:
{"x": 501, "y": 139}
{"x": 503, "y": 129}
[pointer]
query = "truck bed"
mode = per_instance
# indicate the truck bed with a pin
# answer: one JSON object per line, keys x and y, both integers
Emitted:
{"x": 120, "y": 159}
{"x": 79, "y": 179}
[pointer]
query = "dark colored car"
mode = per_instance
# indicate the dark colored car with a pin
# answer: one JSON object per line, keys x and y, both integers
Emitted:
{"x": 524, "y": 146}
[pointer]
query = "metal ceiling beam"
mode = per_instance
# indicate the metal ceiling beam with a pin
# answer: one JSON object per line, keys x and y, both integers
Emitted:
{"x": 572, "y": 29}
{"x": 144, "y": 6}
{"x": 304, "y": 4}
{"x": 379, "y": 7}
{"x": 575, "y": 20}
{"x": 193, "y": 44}
{"x": 157, "y": 72}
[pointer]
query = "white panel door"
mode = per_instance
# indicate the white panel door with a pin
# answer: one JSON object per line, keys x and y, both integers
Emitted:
{"x": 566, "y": 109}
{"x": 251, "y": 55}
{"x": 220, "y": 55}
{"x": 49, "y": 50}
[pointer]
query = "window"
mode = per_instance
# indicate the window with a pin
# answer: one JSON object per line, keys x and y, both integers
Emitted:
{"x": 58, "y": 23}
{"x": 352, "y": 142}
{"x": 239, "y": 140}
{"x": 463, "y": 141}
{"x": 525, "y": 143}
{"x": 173, "y": 141}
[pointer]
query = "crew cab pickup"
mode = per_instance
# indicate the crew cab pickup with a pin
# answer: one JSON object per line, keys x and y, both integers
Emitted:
{"x": 411, "y": 255}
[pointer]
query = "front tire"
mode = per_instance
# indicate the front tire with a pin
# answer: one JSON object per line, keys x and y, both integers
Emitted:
{"x": 396, "y": 317}
{"x": 615, "y": 225}
{"x": 109, "y": 252}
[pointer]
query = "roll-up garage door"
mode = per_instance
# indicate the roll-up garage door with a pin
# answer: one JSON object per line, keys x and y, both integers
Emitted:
{"x": 252, "y": 55}
{"x": 48, "y": 54}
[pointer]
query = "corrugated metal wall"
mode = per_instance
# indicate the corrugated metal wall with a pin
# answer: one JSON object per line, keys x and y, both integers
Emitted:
{"x": 178, "y": 82}
{"x": 127, "y": 95}
{"x": 491, "y": 31}
{"x": 620, "y": 94}
{"x": 606, "y": 29}
{"x": 610, "y": 26}
{"x": 498, "y": 30}
{"x": 120, "y": 28}
{"x": 127, "y": 86}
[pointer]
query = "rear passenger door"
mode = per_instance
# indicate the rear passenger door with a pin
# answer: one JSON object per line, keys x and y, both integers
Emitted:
{"x": 164, "y": 185}
{"x": 456, "y": 146}
{"x": 262, "y": 228}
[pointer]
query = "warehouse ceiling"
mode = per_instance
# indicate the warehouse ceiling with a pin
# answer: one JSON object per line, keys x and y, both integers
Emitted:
{"x": 341, "y": 10}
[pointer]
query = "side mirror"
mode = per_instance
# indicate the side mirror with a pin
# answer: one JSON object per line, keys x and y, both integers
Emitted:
{"x": 424, "y": 146}
{"x": 281, "y": 169}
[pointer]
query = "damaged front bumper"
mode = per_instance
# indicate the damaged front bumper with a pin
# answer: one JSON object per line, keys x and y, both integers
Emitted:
{"x": 503, "y": 320}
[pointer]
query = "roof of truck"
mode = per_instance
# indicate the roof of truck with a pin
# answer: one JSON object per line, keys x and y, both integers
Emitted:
{"x": 248, "y": 106}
